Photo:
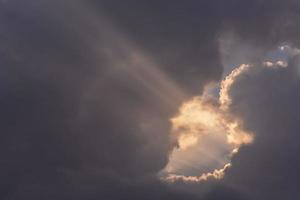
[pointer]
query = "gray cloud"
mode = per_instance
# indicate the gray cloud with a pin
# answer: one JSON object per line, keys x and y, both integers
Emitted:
{"x": 87, "y": 89}
{"x": 267, "y": 99}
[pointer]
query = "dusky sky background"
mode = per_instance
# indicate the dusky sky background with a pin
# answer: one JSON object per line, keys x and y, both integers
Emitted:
{"x": 149, "y": 99}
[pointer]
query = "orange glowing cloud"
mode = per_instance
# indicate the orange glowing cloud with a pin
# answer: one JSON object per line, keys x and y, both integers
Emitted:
{"x": 204, "y": 117}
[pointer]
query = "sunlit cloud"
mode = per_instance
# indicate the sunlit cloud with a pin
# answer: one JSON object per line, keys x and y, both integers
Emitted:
{"x": 201, "y": 118}
{"x": 226, "y": 84}
{"x": 216, "y": 174}
{"x": 207, "y": 123}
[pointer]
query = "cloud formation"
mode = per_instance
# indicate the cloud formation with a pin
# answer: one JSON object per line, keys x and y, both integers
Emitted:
{"x": 270, "y": 109}
{"x": 88, "y": 88}
{"x": 201, "y": 118}
{"x": 266, "y": 97}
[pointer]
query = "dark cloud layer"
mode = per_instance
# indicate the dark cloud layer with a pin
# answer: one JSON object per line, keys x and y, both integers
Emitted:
{"x": 268, "y": 100}
{"x": 87, "y": 88}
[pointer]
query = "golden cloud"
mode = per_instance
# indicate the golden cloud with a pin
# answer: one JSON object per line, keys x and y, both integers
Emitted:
{"x": 203, "y": 116}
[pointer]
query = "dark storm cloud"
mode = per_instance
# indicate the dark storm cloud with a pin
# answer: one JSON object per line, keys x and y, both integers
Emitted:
{"x": 267, "y": 98}
{"x": 155, "y": 26}
{"x": 87, "y": 88}
{"x": 189, "y": 51}
{"x": 75, "y": 99}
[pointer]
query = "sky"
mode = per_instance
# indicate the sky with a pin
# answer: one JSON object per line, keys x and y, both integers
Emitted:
{"x": 140, "y": 99}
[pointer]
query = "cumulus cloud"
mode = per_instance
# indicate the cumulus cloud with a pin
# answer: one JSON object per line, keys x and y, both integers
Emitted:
{"x": 267, "y": 97}
{"x": 204, "y": 117}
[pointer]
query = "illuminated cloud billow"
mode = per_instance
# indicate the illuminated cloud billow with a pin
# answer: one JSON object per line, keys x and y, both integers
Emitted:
{"x": 266, "y": 97}
{"x": 201, "y": 118}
